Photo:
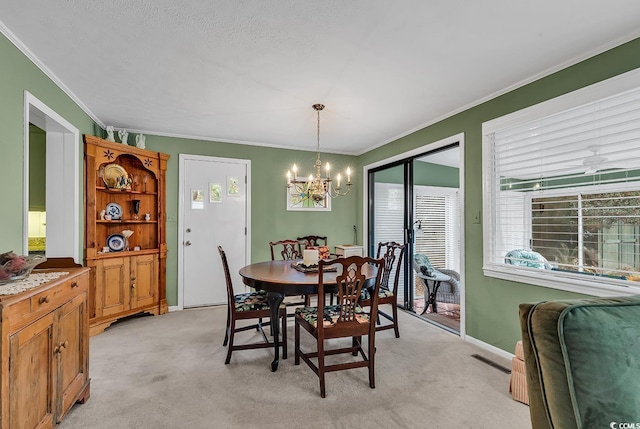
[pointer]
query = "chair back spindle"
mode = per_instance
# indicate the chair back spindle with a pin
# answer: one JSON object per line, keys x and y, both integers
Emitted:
{"x": 287, "y": 250}
{"x": 312, "y": 241}
{"x": 390, "y": 251}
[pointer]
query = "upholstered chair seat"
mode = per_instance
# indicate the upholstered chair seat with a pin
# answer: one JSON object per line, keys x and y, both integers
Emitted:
{"x": 331, "y": 314}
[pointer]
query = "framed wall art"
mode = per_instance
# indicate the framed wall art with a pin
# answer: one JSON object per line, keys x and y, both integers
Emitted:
{"x": 197, "y": 199}
{"x": 215, "y": 192}
{"x": 299, "y": 199}
{"x": 233, "y": 186}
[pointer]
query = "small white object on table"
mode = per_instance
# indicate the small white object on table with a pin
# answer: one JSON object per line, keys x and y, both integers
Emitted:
{"x": 310, "y": 257}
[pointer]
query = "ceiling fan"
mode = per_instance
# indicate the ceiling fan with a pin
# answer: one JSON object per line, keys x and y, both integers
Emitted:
{"x": 595, "y": 161}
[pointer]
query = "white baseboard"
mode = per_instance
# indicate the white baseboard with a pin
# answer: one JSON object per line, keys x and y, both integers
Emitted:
{"x": 493, "y": 349}
{"x": 173, "y": 308}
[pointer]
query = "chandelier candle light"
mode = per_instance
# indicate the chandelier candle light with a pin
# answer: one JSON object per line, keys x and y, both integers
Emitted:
{"x": 318, "y": 188}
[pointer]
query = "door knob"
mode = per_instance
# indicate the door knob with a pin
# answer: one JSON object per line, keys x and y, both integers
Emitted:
{"x": 187, "y": 243}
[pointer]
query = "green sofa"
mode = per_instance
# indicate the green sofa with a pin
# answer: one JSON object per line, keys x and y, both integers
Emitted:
{"x": 582, "y": 362}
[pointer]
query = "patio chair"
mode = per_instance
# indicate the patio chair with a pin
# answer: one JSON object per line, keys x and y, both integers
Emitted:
{"x": 246, "y": 306}
{"x": 346, "y": 319}
{"x": 392, "y": 254}
{"x": 446, "y": 283}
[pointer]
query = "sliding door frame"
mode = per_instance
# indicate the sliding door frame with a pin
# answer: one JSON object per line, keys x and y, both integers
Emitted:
{"x": 406, "y": 159}
{"x": 407, "y": 221}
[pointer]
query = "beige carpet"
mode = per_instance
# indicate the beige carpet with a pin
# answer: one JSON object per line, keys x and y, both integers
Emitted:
{"x": 168, "y": 372}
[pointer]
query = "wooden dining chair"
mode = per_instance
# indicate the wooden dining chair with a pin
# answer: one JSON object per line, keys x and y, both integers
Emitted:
{"x": 312, "y": 241}
{"x": 345, "y": 319}
{"x": 392, "y": 253}
{"x": 288, "y": 250}
{"x": 246, "y": 306}
{"x": 285, "y": 249}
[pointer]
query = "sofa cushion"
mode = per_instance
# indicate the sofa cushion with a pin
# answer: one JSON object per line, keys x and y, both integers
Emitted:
{"x": 582, "y": 361}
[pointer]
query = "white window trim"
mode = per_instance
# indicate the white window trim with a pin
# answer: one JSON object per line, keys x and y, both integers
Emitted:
{"x": 595, "y": 286}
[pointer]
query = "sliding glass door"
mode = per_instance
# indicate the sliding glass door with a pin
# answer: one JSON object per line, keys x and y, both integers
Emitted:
{"x": 416, "y": 201}
{"x": 388, "y": 215}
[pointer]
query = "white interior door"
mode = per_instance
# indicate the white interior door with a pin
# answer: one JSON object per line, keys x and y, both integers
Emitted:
{"x": 214, "y": 212}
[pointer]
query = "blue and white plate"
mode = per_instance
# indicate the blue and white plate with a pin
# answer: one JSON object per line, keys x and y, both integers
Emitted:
{"x": 114, "y": 210}
{"x": 116, "y": 242}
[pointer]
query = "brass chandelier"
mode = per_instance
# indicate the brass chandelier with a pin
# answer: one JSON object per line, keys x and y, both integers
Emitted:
{"x": 317, "y": 188}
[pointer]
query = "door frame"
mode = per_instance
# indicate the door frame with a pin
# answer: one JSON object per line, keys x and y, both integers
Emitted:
{"x": 62, "y": 180}
{"x": 458, "y": 138}
{"x": 182, "y": 159}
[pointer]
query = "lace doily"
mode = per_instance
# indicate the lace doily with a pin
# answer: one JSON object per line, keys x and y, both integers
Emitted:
{"x": 34, "y": 280}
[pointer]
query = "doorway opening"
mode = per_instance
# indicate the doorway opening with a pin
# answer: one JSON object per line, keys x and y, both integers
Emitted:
{"x": 416, "y": 198}
{"x": 51, "y": 196}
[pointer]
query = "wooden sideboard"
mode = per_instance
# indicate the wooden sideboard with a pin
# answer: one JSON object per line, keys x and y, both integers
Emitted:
{"x": 45, "y": 351}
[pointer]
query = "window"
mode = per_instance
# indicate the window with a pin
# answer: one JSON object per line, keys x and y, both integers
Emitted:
{"x": 562, "y": 185}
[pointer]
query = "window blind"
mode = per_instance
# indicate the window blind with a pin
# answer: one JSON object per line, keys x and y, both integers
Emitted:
{"x": 567, "y": 186}
{"x": 389, "y": 220}
{"x": 438, "y": 211}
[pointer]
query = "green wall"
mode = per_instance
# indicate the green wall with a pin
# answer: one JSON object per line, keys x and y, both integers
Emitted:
{"x": 37, "y": 168}
{"x": 424, "y": 173}
{"x": 428, "y": 174}
{"x": 492, "y": 304}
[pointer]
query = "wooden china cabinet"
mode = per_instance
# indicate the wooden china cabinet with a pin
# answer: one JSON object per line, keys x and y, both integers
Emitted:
{"x": 124, "y": 193}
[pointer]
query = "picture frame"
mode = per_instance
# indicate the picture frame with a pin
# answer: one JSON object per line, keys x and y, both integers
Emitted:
{"x": 298, "y": 199}
{"x": 233, "y": 187}
{"x": 215, "y": 193}
{"x": 197, "y": 199}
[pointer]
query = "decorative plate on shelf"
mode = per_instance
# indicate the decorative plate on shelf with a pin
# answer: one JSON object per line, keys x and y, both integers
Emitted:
{"x": 116, "y": 242}
{"x": 114, "y": 176}
{"x": 114, "y": 210}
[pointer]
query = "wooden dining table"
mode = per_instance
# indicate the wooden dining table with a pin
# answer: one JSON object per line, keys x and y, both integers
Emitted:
{"x": 279, "y": 279}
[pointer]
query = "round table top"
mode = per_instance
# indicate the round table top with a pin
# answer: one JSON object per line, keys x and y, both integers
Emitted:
{"x": 280, "y": 276}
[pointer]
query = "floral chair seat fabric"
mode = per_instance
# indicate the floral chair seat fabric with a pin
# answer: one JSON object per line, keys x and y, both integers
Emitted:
{"x": 252, "y": 301}
{"x": 331, "y": 314}
{"x": 527, "y": 258}
{"x": 384, "y": 293}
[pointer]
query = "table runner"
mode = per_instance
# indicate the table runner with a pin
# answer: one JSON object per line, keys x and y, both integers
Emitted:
{"x": 34, "y": 280}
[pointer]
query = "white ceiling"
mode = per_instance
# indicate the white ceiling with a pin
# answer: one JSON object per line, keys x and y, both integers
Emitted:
{"x": 248, "y": 71}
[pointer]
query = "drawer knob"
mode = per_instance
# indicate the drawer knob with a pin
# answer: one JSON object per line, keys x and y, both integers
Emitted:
{"x": 44, "y": 299}
{"x": 74, "y": 284}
